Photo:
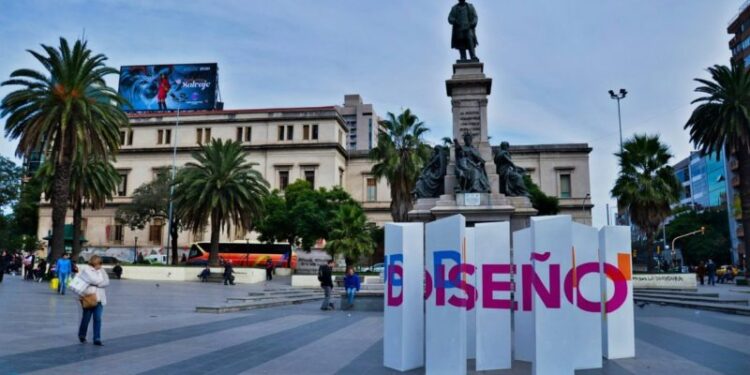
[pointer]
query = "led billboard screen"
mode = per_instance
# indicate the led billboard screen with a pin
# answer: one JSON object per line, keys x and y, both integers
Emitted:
{"x": 169, "y": 87}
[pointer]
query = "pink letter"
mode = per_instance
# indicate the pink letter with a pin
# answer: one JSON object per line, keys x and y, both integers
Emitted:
{"x": 489, "y": 286}
{"x": 550, "y": 297}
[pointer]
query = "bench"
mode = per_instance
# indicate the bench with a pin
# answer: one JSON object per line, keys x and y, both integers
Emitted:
{"x": 366, "y": 300}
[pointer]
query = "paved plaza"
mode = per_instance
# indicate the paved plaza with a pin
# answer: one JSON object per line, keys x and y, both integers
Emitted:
{"x": 150, "y": 329}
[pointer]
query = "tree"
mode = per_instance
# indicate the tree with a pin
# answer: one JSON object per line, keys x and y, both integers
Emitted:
{"x": 302, "y": 215}
{"x": 10, "y": 182}
{"x": 543, "y": 203}
{"x": 150, "y": 201}
{"x": 646, "y": 185}
{"x": 351, "y": 237}
{"x": 26, "y": 209}
{"x": 399, "y": 156}
{"x": 220, "y": 188}
{"x": 714, "y": 244}
{"x": 722, "y": 121}
{"x": 66, "y": 109}
{"x": 93, "y": 181}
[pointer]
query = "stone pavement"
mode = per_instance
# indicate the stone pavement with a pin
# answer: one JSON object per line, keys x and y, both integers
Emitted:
{"x": 154, "y": 330}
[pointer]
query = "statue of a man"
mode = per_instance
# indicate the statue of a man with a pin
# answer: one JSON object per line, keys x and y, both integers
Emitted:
{"x": 464, "y": 19}
{"x": 511, "y": 175}
{"x": 470, "y": 173}
{"x": 431, "y": 182}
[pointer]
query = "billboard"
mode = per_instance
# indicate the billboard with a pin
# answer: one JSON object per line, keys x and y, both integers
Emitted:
{"x": 169, "y": 87}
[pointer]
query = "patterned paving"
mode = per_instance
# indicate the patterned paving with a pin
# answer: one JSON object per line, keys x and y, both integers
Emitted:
{"x": 150, "y": 329}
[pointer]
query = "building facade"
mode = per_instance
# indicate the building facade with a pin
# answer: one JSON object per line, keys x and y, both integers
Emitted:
{"x": 703, "y": 180}
{"x": 362, "y": 123}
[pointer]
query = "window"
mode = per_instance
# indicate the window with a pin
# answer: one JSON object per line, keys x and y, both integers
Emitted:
{"x": 239, "y": 135}
{"x": 305, "y": 132}
{"x": 122, "y": 188}
{"x": 155, "y": 231}
{"x": 159, "y": 137}
{"x": 248, "y": 133}
{"x": 372, "y": 190}
{"x": 315, "y": 131}
{"x": 565, "y": 186}
{"x": 289, "y": 132}
{"x": 310, "y": 177}
{"x": 130, "y": 138}
{"x": 168, "y": 136}
{"x": 122, "y": 138}
{"x": 369, "y": 133}
{"x": 117, "y": 234}
{"x": 199, "y": 136}
{"x": 207, "y": 133}
{"x": 281, "y": 132}
{"x": 283, "y": 179}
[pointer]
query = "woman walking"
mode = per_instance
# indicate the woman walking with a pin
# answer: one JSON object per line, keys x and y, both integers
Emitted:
{"x": 97, "y": 279}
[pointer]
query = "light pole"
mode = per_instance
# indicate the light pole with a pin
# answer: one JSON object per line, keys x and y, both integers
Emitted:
{"x": 135, "y": 252}
{"x": 583, "y": 204}
{"x": 619, "y": 96}
{"x": 701, "y": 231}
{"x": 171, "y": 182}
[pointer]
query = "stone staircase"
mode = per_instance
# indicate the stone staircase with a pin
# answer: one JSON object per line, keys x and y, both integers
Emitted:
{"x": 692, "y": 299}
{"x": 263, "y": 299}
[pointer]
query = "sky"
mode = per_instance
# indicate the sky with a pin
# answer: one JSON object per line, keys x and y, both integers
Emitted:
{"x": 552, "y": 62}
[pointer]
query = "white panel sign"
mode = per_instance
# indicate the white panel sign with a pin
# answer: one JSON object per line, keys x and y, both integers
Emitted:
{"x": 469, "y": 256}
{"x": 493, "y": 271}
{"x": 584, "y": 291}
{"x": 523, "y": 320}
{"x": 445, "y": 310}
{"x": 618, "y": 326}
{"x": 554, "y": 335}
{"x": 403, "y": 341}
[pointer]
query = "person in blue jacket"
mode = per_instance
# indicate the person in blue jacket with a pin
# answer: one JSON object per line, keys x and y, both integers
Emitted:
{"x": 351, "y": 284}
{"x": 64, "y": 267}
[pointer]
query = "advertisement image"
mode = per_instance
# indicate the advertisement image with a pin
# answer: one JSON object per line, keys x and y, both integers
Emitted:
{"x": 169, "y": 87}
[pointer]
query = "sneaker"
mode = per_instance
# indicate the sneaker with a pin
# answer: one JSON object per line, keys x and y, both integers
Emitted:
{"x": 332, "y": 306}
{"x": 81, "y": 339}
{"x": 98, "y": 343}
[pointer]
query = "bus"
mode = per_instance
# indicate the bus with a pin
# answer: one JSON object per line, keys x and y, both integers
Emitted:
{"x": 245, "y": 254}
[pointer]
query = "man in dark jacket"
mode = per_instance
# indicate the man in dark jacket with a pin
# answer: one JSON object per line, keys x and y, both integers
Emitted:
{"x": 3, "y": 264}
{"x": 228, "y": 271}
{"x": 711, "y": 269}
{"x": 325, "y": 276}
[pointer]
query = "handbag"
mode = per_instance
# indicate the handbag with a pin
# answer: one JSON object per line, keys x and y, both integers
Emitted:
{"x": 78, "y": 286}
{"x": 89, "y": 301}
{"x": 54, "y": 284}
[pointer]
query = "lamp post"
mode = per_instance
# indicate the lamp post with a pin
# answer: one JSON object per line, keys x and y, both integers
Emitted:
{"x": 701, "y": 231}
{"x": 135, "y": 252}
{"x": 171, "y": 185}
{"x": 619, "y": 96}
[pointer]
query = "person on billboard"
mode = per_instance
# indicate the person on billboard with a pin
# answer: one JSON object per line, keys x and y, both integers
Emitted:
{"x": 161, "y": 95}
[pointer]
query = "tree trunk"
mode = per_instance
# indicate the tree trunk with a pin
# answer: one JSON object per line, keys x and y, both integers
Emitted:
{"x": 59, "y": 198}
{"x": 650, "y": 250}
{"x": 743, "y": 159}
{"x": 174, "y": 235}
{"x": 77, "y": 221}
{"x": 213, "y": 258}
{"x": 401, "y": 204}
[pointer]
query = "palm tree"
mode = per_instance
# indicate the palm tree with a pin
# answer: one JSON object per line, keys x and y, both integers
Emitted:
{"x": 646, "y": 185}
{"x": 66, "y": 109}
{"x": 352, "y": 235}
{"x": 722, "y": 121}
{"x": 221, "y": 189}
{"x": 92, "y": 182}
{"x": 400, "y": 155}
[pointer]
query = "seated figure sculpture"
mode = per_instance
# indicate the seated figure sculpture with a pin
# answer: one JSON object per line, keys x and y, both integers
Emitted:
{"x": 470, "y": 173}
{"x": 431, "y": 181}
{"x": 511, "y": 175}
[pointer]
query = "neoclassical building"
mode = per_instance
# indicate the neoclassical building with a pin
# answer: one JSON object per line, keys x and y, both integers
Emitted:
{"x": 310, "y": 143}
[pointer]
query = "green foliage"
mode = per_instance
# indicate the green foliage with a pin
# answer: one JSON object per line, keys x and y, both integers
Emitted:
{"x": 351, "y": 236}
{"x": 26, "y": 210}
{"x": 10, "y": 182}
{"x": 399, "y": 156}
{"x": 92, "y": 182}
{"x": 65, "y": 110}
{"x": 150, "y": 201}
{"x": 221, "y": 188}
{"x": 714, "y": 244}
{"x": 301, "y": 215}
{"x": 646, "y": 184}
{"x": 545, "y": 204}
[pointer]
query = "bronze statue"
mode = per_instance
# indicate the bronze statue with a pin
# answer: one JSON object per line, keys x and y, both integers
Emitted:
{"x": 511, "y": 175}
{"x": 470, "y": 173}
{"x": 464, "y": 19}
{"x": 431, "y": 182}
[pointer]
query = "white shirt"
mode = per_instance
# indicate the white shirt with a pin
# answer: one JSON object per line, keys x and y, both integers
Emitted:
{"x": 97, "y": 280}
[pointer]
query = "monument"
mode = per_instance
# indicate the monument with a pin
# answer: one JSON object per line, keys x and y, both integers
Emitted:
{"x": 464, "y": 179}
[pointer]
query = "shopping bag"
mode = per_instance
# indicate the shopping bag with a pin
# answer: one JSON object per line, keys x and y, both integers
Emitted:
{"x": 78, "y": 286}
{"x": 54, "y": 283}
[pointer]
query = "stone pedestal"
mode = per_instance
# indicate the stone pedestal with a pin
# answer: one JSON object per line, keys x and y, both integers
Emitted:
{"x": 468, "y": 89}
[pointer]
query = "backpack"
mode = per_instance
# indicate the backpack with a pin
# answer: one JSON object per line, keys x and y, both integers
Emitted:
{"x": 320, "y": 273}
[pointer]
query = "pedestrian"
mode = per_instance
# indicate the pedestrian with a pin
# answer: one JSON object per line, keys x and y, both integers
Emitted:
{"x": 269, "y": 270}
{"x": 28, "y": 267}
{"x": 205, "y": 274}
{"x": 711, "y": 269}
{"x": 228, "y": 271}
{"x": 325, "y": 276}
{"x": 3, "y": 264}
{"x": 39, "y": 272}
{"x": 701, "y": 272}
{"x": 64, "y": 268}
{"x": 351, "y": 283}
{"x": 117, "y": 269}
{"x": 183, "y": 260}
{"x": 97, "y": 279}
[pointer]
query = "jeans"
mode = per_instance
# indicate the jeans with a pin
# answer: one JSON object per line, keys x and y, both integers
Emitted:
{"x": 711, "y": 279}
{"x": 326, "y": 297}
{"x": 350, "y": 294}
{"x": 87, "y": 313}
{"x": 63, "y": 277}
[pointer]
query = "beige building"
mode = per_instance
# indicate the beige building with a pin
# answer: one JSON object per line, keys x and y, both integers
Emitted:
{"x": 289, "y": 144}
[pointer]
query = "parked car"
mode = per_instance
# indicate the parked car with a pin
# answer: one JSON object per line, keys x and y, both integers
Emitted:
{"x": 723, "y": 270}
{"x": 377, "y": 267}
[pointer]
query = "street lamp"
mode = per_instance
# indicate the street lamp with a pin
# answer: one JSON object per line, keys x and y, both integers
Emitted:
{"x": 619, "y": 96}
{"x": 171, "y": 186}
{"x": 701, "y": 231}
{"x": 135, "y": 252}
{"x": 583, "y": 204}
